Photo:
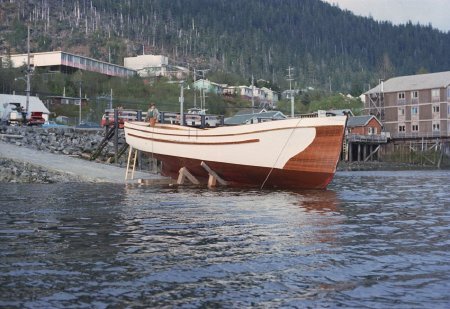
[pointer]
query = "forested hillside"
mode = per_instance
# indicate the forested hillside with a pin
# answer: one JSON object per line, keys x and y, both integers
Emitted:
{"x": 326, "y": 47}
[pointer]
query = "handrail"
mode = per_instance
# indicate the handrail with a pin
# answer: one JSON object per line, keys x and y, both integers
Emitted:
{"x": 367, "y": 138}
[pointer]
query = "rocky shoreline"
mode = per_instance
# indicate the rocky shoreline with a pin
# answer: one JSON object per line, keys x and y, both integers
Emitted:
{"x": 12, "y": 171}
{"x": 380, "y": 166}
{"x": 65, "y": 141}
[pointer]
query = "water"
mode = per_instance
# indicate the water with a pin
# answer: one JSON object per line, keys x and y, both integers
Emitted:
{"x": 373, "y": 240}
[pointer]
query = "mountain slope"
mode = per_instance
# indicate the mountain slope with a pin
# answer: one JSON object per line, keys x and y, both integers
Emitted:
{"x": 326, "y": 46}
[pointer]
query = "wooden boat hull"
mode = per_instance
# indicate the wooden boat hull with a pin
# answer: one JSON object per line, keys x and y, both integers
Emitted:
{"x": 294, "y": 154}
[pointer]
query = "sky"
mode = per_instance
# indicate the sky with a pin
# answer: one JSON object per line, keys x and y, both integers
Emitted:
{"x": 423, "y": 12}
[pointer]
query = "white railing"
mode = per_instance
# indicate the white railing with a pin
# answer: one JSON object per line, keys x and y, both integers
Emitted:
{"x": 374, "y": 138}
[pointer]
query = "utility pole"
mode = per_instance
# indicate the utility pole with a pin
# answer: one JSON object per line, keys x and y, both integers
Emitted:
{"x": 202, "y": 91}
{"x": 290, "y": 79}
{"x": 27, "y": 105}
{"x": 80, "y": 103}
{"x": 110, "y": 99}
{"x": 181, "y": 99}
{"x": 195, "y": 92}
{"x": 253, "y": 100}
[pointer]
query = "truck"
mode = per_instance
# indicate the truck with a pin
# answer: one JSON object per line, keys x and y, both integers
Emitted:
{"x": 123, "y": 114}
{"x": 14, "y": 114}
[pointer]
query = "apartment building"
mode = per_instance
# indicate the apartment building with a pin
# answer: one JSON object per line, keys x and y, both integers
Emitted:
{"x": 414, "y": 106}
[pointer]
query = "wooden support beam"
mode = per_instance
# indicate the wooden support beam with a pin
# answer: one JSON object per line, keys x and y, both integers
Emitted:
{"x": 350, "y": 152}
{"x": 435, "y": 146}
{"x": 212, "y": 181}
{"x": 213, "y": 177}
{"x": 183, "y": 174}
{"x": 371, "y": 154}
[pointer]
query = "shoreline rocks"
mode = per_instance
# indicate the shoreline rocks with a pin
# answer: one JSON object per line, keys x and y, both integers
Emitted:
{"x": 76, "y": 142}
{"x": 380, "y": 166}
{"x": 12, "y": 171}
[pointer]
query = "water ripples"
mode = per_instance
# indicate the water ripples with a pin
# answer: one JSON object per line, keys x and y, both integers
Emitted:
{"x": 377, "y": 239}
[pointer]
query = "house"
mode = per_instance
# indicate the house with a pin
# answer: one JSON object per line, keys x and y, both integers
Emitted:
{"x": 270, "y": 96}
{"x": 257, "y": 117}
{"x": 208, "y": 86}
{"x": 364, "y": 138}
{"x": 364, "y": 125}
{"x": 261, "y": 96}
{"x": 413, "y": 106}
{"x": 245, "y": 92}
{"x": 230, "y": 90}
{"x": 63, "y": 100}
{"x": 67, "y": 62}
{"x": 34, "y": 104}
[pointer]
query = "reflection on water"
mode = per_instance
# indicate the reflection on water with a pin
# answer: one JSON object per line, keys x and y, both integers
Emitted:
{"x": 371, "y": 240}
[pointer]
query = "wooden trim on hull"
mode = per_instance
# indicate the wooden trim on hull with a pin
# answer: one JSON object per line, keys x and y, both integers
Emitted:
{"x": 242, "y": 175}
{"x": 322, "y": 155}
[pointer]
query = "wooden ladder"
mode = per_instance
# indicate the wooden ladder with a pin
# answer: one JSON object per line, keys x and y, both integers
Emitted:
{"x": 132, "y": 158}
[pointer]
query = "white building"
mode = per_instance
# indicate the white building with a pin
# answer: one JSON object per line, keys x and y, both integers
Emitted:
{"x": 62, "y": 61}
{"x": 147, "y": 65}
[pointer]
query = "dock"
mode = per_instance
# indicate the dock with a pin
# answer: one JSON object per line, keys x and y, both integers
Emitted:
{"x": 88, "y": 171}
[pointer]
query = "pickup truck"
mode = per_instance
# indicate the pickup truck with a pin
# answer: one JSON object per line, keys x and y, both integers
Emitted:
{"x": 35, "y": 119}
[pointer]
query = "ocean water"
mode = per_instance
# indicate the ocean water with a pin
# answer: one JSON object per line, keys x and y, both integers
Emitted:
{"x": 372, "y": 240}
